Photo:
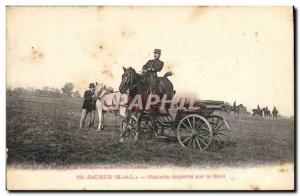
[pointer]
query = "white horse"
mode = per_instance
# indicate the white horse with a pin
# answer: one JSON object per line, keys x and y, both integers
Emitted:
{"x": 100, "y": 91}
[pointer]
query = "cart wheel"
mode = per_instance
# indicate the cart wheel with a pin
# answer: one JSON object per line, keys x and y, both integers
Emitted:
{"x": 221, "y": 131}
{"x": 144, "y": 127}
{"x": 194, "y": 131}
{"x": 129, "y": 130}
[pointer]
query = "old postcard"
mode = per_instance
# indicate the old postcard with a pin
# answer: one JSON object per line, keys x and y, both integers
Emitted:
{"x": 150, "y": 98}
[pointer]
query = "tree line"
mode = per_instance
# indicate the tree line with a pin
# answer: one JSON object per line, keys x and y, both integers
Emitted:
{"x": 66, "y": 90}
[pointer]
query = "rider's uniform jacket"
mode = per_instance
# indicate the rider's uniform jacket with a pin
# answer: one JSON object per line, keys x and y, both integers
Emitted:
{"x": 152, "y": 67}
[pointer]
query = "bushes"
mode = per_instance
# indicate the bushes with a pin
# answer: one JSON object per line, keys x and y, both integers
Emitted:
{"x": 44, "y": 92}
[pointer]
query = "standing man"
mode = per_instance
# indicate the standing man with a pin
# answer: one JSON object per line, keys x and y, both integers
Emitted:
{"x": 151, "y": 68}
{"x": 89, "y": 106}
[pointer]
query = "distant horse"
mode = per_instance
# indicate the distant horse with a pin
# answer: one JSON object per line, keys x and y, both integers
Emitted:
{"x": 225, "y": 108}
{"x": 266, "y": 111}
{"x": 235, "y": 109}
{"x": 100, "y": 92}
{"x": 135, "y": 84}
{"x": 257, "y": 112}
{"x": 274, "y": 112}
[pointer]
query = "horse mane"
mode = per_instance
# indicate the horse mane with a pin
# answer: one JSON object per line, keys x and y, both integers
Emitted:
{"x": 136, "y": 74}
{"x": 100, "y": 90}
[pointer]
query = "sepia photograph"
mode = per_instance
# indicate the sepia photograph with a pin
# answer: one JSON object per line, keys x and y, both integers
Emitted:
{"x": 195, "y": 98}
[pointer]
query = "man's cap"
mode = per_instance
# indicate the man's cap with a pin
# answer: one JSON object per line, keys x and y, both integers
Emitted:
{"x": 92, "y": 85}
{"x": 157, "y": 51}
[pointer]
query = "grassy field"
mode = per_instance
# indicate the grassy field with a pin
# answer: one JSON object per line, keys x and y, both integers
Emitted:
{"x": 44, "y": 132}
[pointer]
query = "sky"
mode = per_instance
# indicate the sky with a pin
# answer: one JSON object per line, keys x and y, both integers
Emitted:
{"x": 218, "y": 53}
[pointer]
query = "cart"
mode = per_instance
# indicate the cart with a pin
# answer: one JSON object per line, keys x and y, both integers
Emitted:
{"x": 198, "y": 129}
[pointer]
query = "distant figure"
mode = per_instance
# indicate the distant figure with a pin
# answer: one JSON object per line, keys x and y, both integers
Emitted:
{"x": 150, "y": 70}
{"x": 267, "y": 111}
{"x": 234, "y": 104}
{"x": 275, "y": 112}
{"x": 258, "y": 107}
{"x": 88, "y": 107}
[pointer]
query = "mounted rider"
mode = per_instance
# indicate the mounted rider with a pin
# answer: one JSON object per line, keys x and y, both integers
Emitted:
{"x": 150, "y": 70}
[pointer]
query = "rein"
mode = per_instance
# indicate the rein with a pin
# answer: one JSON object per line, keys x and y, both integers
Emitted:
{"x": 135, "y": 85}
{"x": 106, "y": 94}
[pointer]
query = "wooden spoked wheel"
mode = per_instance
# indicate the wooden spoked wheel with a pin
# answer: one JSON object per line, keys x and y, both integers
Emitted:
{"x": 129, "y": 131}
{"x": 221, "y": 131}
{"x": 195, "y": 132}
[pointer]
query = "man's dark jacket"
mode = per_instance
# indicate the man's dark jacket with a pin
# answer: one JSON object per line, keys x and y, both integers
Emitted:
{"x": 89, "y": 103}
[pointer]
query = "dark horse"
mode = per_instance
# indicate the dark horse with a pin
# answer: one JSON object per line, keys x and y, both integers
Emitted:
{"x": 135, "y": 84}
{"x": 257, "y": 112}
{"x": 235, "y": 109}
{"x": 266, "y": 111}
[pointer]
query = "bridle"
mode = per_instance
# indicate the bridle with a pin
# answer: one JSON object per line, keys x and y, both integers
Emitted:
{"x": 132, "y": 86}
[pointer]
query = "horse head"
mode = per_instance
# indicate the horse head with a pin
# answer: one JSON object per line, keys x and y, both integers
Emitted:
{"x": 129, "y": 78}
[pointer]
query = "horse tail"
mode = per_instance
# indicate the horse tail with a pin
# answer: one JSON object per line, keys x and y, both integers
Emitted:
{"x": 169, "y": 73}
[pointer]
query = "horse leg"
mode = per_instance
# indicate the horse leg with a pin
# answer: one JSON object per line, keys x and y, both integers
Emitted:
{"x": 102, "y": 121}
{"x": 122, "y": 132}
{"x": 136, "y": 137}
{"x": 100, "y": 115}
{"x": 124, "y": 127}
